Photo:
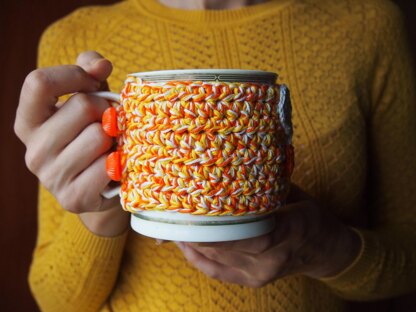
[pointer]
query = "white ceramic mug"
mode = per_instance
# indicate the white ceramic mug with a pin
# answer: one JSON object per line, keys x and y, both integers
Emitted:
{"x": 173, "y": 225}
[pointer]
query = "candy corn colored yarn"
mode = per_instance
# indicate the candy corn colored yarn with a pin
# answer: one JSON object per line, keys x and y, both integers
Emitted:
{"x": 204, "y": 148}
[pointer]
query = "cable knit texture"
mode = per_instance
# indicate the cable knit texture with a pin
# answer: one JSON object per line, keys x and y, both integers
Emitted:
{"x": 353, "y": 93}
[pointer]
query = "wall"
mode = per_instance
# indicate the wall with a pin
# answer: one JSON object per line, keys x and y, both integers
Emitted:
{"x": 21, "y": 23}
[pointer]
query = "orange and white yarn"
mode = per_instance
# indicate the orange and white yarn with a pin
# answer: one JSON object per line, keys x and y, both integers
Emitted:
{"x": 203, "y": 148}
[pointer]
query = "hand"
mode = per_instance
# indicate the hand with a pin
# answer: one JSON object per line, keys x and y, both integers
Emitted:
{"x": 306, "y": 240}
{"x": 66, "y": 146}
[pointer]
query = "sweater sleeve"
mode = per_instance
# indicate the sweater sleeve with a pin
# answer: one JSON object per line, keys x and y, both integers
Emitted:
{"x": 72, "y": 269}
{"x": 386, "y": 265}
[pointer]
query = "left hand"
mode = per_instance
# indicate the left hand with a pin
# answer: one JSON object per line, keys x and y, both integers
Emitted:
{"x": 306, "y": 240}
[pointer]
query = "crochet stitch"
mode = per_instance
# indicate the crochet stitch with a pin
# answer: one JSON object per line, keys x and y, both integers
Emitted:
{"x": 205, "y": 148}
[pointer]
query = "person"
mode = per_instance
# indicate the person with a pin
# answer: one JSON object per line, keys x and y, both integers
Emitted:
{"x": 347, "y": 232}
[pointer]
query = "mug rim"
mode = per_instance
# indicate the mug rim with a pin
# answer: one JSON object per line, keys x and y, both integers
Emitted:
{"x": 218, "y": 75}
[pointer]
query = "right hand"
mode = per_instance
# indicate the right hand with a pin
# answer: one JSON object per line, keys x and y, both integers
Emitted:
{"x": 66, "y": 146}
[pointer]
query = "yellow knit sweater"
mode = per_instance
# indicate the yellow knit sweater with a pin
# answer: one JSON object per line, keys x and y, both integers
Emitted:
{"x": 349, "y": 72}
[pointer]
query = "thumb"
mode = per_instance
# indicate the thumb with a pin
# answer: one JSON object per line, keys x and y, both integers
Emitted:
{"x": 96, "y": 66}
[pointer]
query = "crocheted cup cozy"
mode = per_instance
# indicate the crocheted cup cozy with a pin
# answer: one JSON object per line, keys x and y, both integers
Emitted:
{"x": 201, "y": 148}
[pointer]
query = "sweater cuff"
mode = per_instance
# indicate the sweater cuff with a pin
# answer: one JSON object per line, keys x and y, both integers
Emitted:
{"x": 79, "y": 237}
{"x": 362, "y": 267}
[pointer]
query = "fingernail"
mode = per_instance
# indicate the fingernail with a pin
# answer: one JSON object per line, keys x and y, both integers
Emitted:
{"x": 95, "y": 61}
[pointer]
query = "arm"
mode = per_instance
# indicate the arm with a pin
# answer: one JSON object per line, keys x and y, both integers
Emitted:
{"x": 73, "y": 269}
{"x": 77, "y": 257}
{"x": 386, "y": 265}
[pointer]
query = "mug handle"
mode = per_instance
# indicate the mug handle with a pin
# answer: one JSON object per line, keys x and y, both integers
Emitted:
{"x": 111, "y": 96}
{"x": 109, "y": 191}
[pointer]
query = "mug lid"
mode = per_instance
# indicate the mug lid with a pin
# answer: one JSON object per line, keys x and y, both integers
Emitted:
{"x": 223, "y": 75}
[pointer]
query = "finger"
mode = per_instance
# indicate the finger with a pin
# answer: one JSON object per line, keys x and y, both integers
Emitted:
{"x": 242, "y": 260}
{"x": 211, "y": 268}
{"x": 96, "y": 66}
{"x": 70, "y": 120}
{"x": 95, "y": 174}
{"x": 41, "y": 90}
{"x": 253, "y": 245}
{"x": 110, "y": 203}
{"x": 256, "y": 269}
{"x": 87, "y": 187}
{"x": 83, "y": 150}
{"x": 295, "y": 222}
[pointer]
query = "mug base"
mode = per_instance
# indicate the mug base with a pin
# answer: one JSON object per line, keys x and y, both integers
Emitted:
{"x": 188, "y": 228}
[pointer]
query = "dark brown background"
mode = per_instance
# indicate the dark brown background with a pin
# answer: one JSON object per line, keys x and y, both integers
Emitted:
{"x": 21, "y": 23}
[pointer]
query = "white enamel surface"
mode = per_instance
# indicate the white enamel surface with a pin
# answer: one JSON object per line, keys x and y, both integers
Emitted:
{"x": 202, "y": 233}
{"x": 177, "y": 216}
{"x": 202, "y": 71}
{"x": 110, "y": 192}
{"x": 107, "y": 95}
